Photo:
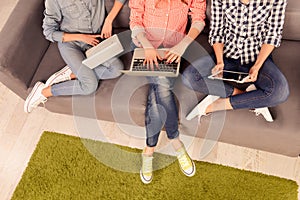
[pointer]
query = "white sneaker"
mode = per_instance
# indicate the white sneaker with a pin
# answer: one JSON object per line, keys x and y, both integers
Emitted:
{"x": 250, "y": 88}
{"x": 263, "y": 111}
{"x": 60, "y": 76}
{"x": 201, "y": 107}
{"x": 146, "y": 171}
{"x": 35, "y": 97}
{"x": 186, "y": 164}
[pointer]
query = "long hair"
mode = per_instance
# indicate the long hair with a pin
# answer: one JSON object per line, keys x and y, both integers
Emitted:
{"x": 158, "y": 1}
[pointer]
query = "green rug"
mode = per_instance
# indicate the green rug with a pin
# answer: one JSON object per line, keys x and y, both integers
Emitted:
{"x": 62, "y": 168}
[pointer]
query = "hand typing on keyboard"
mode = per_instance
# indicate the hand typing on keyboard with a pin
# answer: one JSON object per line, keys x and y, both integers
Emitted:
{"x": 151, "y": 59}
{"x": 162, "y": 65}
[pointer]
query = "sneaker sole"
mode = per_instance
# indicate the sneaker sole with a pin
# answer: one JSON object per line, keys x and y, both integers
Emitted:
{"x": 51, "y": 79}
{"x": 31, "y": 94}
{"x": 143, "y": 179}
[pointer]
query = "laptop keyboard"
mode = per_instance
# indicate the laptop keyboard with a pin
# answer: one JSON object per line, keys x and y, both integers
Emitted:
{"x": 138, "y": 65}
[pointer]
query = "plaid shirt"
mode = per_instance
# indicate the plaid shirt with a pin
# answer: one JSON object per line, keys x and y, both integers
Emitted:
{"x": 165, "y": 22}
{"x": 244, "y": 28}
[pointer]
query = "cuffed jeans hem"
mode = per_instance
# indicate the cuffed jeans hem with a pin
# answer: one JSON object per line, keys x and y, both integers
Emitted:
{"x": 173, "y": 136}
{"x": 152, "y": 141}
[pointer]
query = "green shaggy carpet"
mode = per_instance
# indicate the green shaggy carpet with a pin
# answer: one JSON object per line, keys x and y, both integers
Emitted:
{"x": 62, "y": 168}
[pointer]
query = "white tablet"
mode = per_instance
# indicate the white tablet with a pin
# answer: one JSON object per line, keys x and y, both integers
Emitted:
{"x": 225, "y": 75}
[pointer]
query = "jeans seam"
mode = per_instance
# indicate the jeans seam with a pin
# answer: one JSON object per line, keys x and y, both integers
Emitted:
{"x": 255, "y": 98}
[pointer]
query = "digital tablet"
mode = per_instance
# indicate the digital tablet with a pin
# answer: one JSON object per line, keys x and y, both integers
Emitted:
{"x": 225, "y": 75}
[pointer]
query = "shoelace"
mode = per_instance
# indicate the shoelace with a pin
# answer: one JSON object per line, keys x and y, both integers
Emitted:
{"x": 147, "y": 165}
{"x": 184, "y": 160}
{"x": 65, "y": 75}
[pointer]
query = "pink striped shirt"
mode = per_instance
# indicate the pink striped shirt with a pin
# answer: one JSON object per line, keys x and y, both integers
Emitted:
{"x": 164, "y": 23}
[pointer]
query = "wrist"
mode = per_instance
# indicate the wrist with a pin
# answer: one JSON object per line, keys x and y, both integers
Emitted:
{"x": 220, "y": 62}
{"x": 256, "y": 66}
{"x": 108, "y": 20}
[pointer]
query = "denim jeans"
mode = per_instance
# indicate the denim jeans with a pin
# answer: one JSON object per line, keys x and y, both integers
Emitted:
{"x": 161, "y": 110}
{"x": 272, "y": 86}
{"x": 87, "y": 80}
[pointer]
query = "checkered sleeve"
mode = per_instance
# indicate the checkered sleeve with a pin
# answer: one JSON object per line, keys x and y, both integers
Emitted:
{"x": 216, "y": 34}
{"x": 275, "y": 23}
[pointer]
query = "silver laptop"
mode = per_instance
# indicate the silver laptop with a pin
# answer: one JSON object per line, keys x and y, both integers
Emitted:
{"x": 137, "y": 67}
{"x": 102, "y": 52}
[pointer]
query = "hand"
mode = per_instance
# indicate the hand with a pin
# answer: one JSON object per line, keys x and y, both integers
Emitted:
{"x": 218, "y": 67}
{"x": 151, "y": 57}
{"x": 89, "y": 39}
{"x": 253, "y": 73}
{"x": 175, "y": 53}
{"x": 106, "y": 29}
{"x": 172, "y": 56}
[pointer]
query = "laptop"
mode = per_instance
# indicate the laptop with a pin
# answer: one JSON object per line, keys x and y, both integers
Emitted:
{"x": 102, "y": 52}
{"x": 137, "y": 68}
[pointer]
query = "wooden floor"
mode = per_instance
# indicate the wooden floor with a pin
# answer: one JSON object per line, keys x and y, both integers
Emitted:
{"x": 20, "y": 132}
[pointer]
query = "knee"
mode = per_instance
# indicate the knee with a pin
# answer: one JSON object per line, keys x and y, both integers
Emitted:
{"x": 192, "y": 79}
{"x": 163, "y": 92}
{"x": 114, "y": 66}
{"x": 280, "y": 93}
{"x": 89, "y": 87}
{"x": 187, "y": 75}
{"x": 116, "y": 72}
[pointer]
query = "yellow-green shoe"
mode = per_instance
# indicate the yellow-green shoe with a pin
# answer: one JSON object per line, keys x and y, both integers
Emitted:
{"x": 146, "y": 171}
{"x": 186, "y": 164}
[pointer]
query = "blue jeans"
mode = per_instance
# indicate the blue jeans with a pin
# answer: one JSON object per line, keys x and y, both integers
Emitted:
{"x": 87, "y": 80}
{"x": 161, "y": 110}
{"x": 272, "y": 86}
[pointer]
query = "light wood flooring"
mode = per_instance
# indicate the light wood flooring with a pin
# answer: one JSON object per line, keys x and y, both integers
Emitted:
{"x": 20, "y": 132}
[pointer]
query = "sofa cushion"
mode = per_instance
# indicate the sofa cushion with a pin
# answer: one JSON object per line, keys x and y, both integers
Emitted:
{"x": 291, "y": 29}
{"x": 51, "y": 62}
{"x": 22, "y": 42}
{"x": 113, "y": 101}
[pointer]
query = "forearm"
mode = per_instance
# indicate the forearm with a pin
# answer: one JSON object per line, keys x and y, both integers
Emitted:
{"x": 265, "y": 51}
{"x": 141, "y": 37}
{"x": 195, "y": 30}
{"x": 218, "y": 49}
{"x": 187, "y": 40}
{"x": 69, "y": 37}
{"x": 114, "y": 11}
{"x": 193, "y": 33}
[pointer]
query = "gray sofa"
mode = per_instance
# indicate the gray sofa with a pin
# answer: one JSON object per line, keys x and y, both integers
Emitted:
{"x": 26, "y": 57}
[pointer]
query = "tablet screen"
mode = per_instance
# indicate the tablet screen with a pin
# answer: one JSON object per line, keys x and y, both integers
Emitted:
{"x": 226, "y": 75}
